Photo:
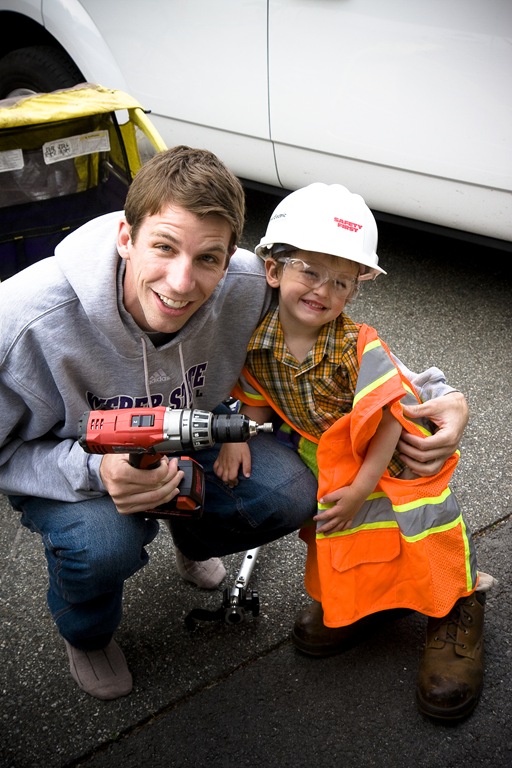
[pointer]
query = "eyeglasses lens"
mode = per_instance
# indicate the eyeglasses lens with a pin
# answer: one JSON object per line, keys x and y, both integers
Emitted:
{"x": 314, "y": 276}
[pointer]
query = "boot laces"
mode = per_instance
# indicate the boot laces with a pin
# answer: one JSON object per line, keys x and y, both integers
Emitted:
{"x": 460, "y": 617}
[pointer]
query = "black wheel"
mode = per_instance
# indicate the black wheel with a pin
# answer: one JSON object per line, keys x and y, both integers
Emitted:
{"x": 37, "y": 69}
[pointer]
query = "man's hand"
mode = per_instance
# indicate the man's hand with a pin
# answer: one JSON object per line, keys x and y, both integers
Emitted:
{"x": 137, "y": 490}
{"x": 426, "y": 456}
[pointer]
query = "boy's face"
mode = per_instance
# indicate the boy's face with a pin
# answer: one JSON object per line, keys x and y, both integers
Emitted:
{"x": 173, "y": 266}
{"x": 302, "y": 304}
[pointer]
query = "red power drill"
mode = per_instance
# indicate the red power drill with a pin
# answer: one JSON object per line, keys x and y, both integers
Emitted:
{"x": 149, "y": 433}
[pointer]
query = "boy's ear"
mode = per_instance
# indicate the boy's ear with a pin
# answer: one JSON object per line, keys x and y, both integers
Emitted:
{"x": 274, "y": 272}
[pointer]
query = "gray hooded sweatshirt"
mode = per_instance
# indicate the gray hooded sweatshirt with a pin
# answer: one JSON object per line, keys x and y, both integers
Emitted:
{"x": 67, "y": 345}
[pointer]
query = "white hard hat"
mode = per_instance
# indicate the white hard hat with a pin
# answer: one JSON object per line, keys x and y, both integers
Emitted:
{"x": 325, "y": 218}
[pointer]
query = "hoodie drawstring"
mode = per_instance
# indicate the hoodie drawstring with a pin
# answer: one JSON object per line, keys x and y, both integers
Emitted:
{"x": 146, "y": 370}
{"x": 188, "y": 403}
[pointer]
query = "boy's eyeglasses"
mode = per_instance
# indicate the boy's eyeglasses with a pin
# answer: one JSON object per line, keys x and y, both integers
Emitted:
{"x": 314, "y": 275}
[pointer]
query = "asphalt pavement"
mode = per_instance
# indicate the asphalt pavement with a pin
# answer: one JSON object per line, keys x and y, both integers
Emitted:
{"x": 236, "y": 695}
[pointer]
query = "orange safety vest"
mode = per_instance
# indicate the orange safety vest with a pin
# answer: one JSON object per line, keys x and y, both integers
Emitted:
{"x": 408, "y": 546}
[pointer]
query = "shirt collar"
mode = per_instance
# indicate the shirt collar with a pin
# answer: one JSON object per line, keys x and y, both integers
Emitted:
{"x": 269, "y": 335}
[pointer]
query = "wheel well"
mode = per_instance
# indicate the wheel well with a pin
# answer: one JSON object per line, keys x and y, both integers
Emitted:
{"x": 18, "y": 31}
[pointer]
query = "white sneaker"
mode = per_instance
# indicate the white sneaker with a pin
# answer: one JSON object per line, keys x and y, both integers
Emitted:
{"x": 206, "y": 574}
{"x": 103, "y": 674}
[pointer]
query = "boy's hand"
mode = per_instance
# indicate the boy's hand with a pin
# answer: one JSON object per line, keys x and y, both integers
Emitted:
{"x": 346, "y": 503}
{"x": 231, "y": 457}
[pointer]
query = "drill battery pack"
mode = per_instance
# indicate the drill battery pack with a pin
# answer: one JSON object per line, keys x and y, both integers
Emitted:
{"x": 190, "y": 500}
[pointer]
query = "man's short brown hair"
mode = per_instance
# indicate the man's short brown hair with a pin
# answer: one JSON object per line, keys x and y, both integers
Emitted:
{"x": 193, "y": 179}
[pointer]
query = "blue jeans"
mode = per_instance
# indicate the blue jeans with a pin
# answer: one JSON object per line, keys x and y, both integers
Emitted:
{"x": 91, "y": 549}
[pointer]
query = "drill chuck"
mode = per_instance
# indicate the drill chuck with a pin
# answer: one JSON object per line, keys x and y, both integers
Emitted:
{"x": 235, "y": 428}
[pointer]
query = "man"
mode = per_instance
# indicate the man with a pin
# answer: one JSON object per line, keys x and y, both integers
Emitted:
{"x": 153, "y": 307}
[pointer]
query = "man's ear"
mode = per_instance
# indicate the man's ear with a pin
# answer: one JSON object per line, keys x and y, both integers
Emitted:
{"x": 274, "y": 272}
{"x": 124, "y": 239}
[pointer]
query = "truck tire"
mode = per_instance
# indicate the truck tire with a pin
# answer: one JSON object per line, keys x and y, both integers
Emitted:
{"x": 36, "y": 69}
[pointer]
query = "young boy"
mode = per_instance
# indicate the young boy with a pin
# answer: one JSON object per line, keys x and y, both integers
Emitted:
{"x": 385, "y": 538}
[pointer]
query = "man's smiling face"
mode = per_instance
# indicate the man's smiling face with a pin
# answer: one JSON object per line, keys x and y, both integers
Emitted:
{"x": 173, "y": 266}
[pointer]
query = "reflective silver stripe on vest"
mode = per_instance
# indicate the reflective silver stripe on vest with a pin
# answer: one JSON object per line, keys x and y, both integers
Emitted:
{"x": 376, "y": 366}
{"x": 375, "y": 369}
{"x": 415, "y": 519}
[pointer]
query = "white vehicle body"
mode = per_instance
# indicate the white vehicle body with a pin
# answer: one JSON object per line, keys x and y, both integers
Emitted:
{"x": 406, "y": 102}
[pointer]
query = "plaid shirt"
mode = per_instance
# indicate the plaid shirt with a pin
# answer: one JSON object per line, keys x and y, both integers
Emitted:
{"x": 313, "y": 394}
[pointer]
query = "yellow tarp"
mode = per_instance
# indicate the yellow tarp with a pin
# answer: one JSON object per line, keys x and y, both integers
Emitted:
{"x": 82, "y": 100}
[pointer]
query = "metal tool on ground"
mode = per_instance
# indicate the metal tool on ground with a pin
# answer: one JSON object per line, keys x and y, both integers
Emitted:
{"x": 236, "y": 601}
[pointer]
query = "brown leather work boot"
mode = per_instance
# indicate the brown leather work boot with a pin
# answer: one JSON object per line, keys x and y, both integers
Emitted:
{"x": 311, "y": 636}
{"x": 451, "y": 672}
